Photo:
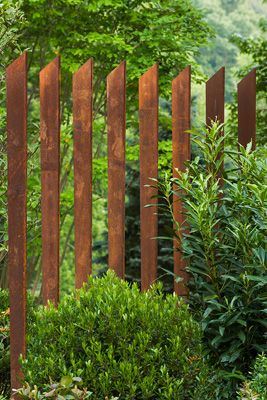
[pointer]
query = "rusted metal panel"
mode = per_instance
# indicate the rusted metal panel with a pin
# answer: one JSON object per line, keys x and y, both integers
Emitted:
{"x": 82, "y": 122}
{"x": 246, "y": 92}
{"x": 215, "y": 88}
{"x": 116, "y": 109}
{"x": 16, "y": 82}
{"x": 148, "y": 124}
{"x": 181, "y": 106}
{"x": 50, "y": 172}
{"x": 215, "y": 97}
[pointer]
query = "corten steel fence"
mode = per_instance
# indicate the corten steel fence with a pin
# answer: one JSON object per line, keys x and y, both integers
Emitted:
{"x": 50, "y": 172}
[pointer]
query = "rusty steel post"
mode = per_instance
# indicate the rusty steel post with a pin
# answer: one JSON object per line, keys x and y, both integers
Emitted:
{"x": 116, "y": 122}
{"x": 16, "y": 83}
{"x": 246, "y": 93}
{"x": 50, "y": 172}
{"x": 181, "y": 121}
{"x": 215, "y": 88}
{"x": 148, "y": 123}
{"x": 215, "y": 97}
{"x": 82, "y": 124}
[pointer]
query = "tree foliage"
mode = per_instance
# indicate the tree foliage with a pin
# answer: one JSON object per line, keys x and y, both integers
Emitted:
{"x": 236, "y": 17}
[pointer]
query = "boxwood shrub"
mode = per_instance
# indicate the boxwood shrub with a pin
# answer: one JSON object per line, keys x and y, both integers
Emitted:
{"x": 120, "y": 342}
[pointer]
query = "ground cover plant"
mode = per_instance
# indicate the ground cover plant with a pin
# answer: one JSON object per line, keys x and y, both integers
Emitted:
{"x": 224, "y": 244}
{"x": 120, "y": 342}
{"x": 68, "y": 387}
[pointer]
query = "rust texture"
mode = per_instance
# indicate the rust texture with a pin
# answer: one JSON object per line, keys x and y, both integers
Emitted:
{"x": 16, "y": 82}
{"x": 246, "y": 92}
{"x": 181, "y": 100}
{"x": 148, "y": 124}
{"x": 50, "y": 156}
{"x": 215, "y": 97}
{"x": 215, "y": 88}
{"x": 82, "y": 122}
{"x": 116, "y": 110}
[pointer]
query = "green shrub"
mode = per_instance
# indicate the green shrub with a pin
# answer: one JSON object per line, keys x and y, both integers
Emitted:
{"x": 225, "y": 245}
{"x": 121, "y": 342}
{"x": 256, "y": 387}
{"x": 4, "y": 344}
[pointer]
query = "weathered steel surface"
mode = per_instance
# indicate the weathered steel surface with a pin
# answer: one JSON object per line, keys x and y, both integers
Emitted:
{"x": 50, "y": 156}
{"x": 116, "y": 109}
{"x": 215, "y": 88}
{"x": 181, "y": 100}
{"x": 16, "y": 81}
{"x": 215, "y": 97}
{"x": 82, "y": 122}
{"x": 246, "y": 90}
{"x": 148, "y": 122}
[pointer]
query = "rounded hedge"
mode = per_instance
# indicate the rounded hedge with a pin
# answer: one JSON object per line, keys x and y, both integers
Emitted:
{"x": 121, "y": 342}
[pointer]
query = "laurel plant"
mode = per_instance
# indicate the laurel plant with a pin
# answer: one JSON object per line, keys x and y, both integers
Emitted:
{"x": 224, "y": 195}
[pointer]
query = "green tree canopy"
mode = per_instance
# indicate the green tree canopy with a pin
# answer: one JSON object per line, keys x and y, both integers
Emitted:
{"x": 142, "y": 32}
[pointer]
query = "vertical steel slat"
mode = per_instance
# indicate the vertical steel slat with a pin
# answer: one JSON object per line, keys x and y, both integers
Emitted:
{"x": 116, "y": 110}
{"x": 82, "y": 123}
{"x": 148, "y": 124}
{"x": 215, "y": 97}
{"x": 246, "y": 94}
{"x": 181, "y": 105}
{"x": 16, "y": 83}
{"x": 215, "y": 88}
{"x": 50, "y": 174}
